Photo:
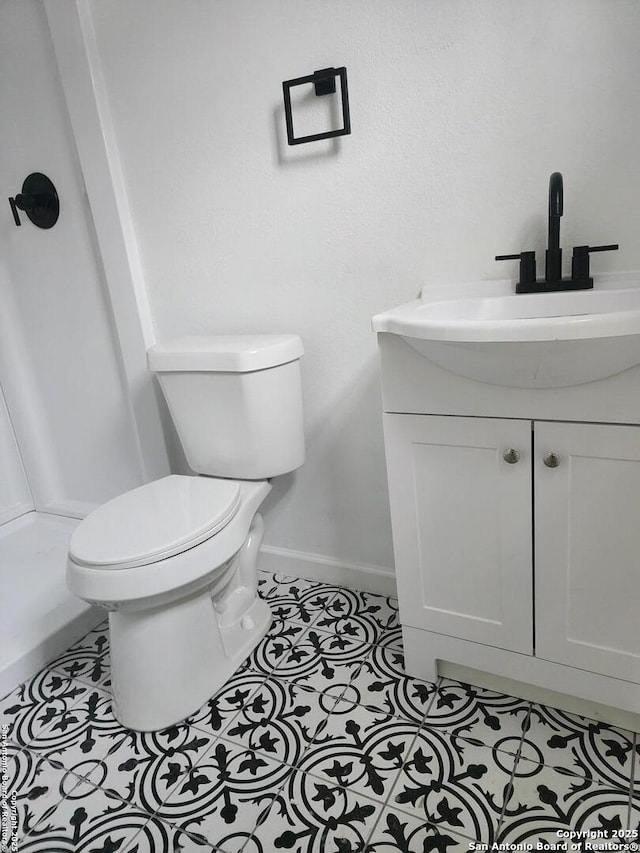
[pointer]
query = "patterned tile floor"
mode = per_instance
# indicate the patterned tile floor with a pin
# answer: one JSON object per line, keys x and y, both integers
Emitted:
{"x": 318, "y": 743}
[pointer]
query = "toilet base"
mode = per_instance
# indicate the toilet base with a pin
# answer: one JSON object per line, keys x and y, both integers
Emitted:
{"x": 167, "y": 662}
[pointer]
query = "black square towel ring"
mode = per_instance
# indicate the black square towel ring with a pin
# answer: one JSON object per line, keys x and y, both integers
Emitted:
{"x": 325, "y": 84}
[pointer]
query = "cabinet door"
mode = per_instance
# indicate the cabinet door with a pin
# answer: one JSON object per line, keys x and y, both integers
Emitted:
{"x": 461, "y": 518}
{"x": 587, "y": 547}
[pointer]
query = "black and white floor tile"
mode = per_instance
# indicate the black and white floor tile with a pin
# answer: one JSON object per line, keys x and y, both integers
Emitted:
{"x": 312, "y": 815}
{"x": 381, "y": 684}
{"x": 318, "y": 744}
{"x": 398, "y": 831}
{"x": 294, "y": 599}
{"x": 226, "y": 795}
{"x": 584, "y": 747}
{"x": 36, "y": 704}
{"x": 322, "y": 661}
{"x": 454, "y": 784}
{"x": 360, "y": 749}
{"x": 545, "y": 801}
{"x": 359, "y": 616}
{"x": 479, "y": 715}
{"x": 143, "y": 768}
{"x": 88, "y": 659}
{"x": 281, "y": 720}
{"x": 276, "y": 646}
{"x": 89, "y": 820}
{"x": 39, "y": 788}
{"x": 81, "y": 735}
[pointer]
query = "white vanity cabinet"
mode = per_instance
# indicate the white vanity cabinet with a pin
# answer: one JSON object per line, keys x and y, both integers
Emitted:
{"x": 520, "y": 534}
{"x": 587, "y": 547}
{"x": 512, "y": 437}
{"x": 516, "y": 525}
{"x": 461, "y": 519}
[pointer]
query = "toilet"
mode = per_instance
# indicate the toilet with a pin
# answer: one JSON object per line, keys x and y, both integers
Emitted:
{"x": 174, "y": 562}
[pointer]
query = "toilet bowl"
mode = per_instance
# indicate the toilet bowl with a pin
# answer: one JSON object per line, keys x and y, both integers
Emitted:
{"x": 174, "y": 562}
{"x": 181, "y": 595}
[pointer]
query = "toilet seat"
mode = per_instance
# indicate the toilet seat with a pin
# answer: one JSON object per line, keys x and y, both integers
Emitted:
{"x": 169, "y": 576}
{"x": 154, "y": 522}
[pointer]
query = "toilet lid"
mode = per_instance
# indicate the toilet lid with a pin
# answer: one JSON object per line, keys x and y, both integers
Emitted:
{"x": 154, "y": 522}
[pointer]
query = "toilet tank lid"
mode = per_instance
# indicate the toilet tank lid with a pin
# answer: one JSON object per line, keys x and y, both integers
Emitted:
{"x": 224, "y": 353}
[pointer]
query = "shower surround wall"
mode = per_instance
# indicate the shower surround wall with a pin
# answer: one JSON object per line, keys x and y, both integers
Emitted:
{"x": 67, "y": 437}
{"x": 15, "y": 494}
{"x": 460, "y": 110}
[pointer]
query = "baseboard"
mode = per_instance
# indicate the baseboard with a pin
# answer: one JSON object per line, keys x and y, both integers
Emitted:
{"x": 317, "y": 567}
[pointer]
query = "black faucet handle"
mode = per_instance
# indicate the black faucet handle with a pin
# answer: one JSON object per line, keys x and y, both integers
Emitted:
{"x": 14, "y": 210}
{"x": 612, "y": 247}
{"x": 580, "y": 259}
{"x": 527, "y": 265}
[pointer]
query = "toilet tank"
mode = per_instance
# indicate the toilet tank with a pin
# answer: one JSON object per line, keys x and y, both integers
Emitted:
{"x": 236, "y": 402}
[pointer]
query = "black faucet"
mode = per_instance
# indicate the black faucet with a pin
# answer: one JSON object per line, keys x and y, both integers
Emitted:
{"x": 553, "y": 281}
{"x": 553, "y": 255}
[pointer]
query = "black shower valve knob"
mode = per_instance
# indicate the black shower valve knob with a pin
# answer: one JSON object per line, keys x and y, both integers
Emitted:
{"x": 28, "y": 202}
{"x": 24, "y": 202}
{"x": 38, "y": 199}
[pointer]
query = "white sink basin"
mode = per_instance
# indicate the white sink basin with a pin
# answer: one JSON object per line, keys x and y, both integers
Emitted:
{"x": 485, "y": 331}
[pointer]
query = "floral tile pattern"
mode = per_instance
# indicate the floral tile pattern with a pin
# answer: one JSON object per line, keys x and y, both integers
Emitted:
{"x": 33, "y": 706}
{"x": 281, "y": 720}
{"x": 452, "y": 783}
{"x": 324, "y": 662}
{"x": 39, "y": 787}
{"x": 316, "y": 817}
{"x": 360, "y": 749}
{"x": 294, "y": 599}
{"x": 585, "y": 747}
{"x": 392, "y": 638}
{"x": 276, "y": 645}
{"x": 143, "y": 768}
{"x": 398, "y": 832}
{"x": 159, "y": 837}
{"x": 320, "y": 743}
{"x": 89, "y": 819}
{"x": 226, "y": 795}
{"x": 360, "y": 616}
{"x": 216, "y": 714}
{"x": 81, "y": 735}
{"x": 88, "y": 660}
{"x": 478, "y": 715}
{"x": 545, "y": 801}
{"x": 381, "y": 684}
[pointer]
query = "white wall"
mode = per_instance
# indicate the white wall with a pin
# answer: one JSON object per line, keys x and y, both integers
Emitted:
{"x": 460, "y": 111}
{"x": 59, "y": 366}
{"x": 15, "y": 495}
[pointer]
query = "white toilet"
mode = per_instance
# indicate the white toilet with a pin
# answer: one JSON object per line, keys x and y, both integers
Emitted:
{"x": 175, "y": 561}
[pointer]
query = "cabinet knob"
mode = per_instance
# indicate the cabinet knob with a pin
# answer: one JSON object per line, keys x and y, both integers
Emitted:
{"x": 511, "y": 456}
{"x": 551, "y": 460}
